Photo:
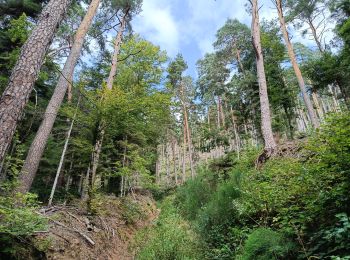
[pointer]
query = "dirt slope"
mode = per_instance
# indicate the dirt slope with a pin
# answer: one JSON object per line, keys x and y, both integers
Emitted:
{"x": 106, "y": 234}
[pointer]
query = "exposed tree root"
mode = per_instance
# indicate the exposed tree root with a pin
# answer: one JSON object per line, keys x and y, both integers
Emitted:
{"x": 288, "y": 149}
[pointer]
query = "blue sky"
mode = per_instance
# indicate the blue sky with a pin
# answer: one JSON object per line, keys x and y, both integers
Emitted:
{"x": 189, "y": 26}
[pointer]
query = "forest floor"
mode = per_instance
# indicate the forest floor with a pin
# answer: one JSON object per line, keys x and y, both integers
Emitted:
{"x": 106, "y": 234}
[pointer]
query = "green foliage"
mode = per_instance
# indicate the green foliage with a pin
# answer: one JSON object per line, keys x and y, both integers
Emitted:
{"x": 331, "y": 145}
{"x": 12, "y": 165}
{"x": 18, "y": 216}
{"x": 335, "y": 239}
{"x": 192, "y": 196}
{"x": 19, "y": 31}
{"x": 266, "y": 244}
{"x": 18, "y": 222}
{"x": 303, "y": 197}
{"x": 11, "y": 39}
{"x": 169, "y": 238}
{"x": 131, "y": 212}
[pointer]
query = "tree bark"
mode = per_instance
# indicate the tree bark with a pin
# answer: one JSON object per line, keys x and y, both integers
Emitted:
{"x": 237, "y": 139}
{"x": 222, "y": 113}
{"x": 96, "y": 153}
{"x": 123, "y": 165}
{"x": 38, "y": 145}
{"x": 266, "y": 126}
{"x": 218, "y": 113}
{"x": 85, "y": 188}
{"x": 112, "y": 73}
{"x": 314, "y": 34}
{"x": 187, "y": 130}
{"x": 116, "y": 51}
{"x": 173, "y": 148}
{"x": 63, "y": 155}
{"x": 184, "y": 154}
{"x": 296, "y": 68}
{"x": 318, "y": 106}
{"x": 26, "y": 70}
{"x": 167, "y": 164}
{"x": 334, "y": 99}
{"x": 239, "y": 60}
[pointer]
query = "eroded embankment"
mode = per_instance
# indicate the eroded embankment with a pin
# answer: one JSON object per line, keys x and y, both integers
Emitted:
{"x": 74, "y": 233}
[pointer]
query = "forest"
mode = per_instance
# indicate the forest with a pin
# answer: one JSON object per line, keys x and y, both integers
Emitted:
{"x": 111, "y": 147}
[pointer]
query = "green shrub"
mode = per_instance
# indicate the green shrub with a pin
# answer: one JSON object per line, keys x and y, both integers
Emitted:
{"x": 306, "y": 197}
{"x": 216, "y": 221}
{"x": 221, "y": 208}
{"x": 192, "y": 196}
{"x": 131, "y": 211}
{"x": 18, "y": 216}
{"x": 266, "y": 244}
{"x": 330, "y": 146}
{"x": 18, "y": 221}
{"x": 170, "y": 238}
{"x": 333, "y": 241}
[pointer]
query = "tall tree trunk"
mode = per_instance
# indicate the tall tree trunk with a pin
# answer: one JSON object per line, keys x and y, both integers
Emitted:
{"x": 335, "y": 101}
{"x": 208, "y": 119}
{"x": 218, "y": 113}
{"x": 96, "y": 153}
{"x": 237, "y": 139}
{"x": 314, "y": 35}
{"x": 222, "y": 113}
{"x": 167, "y": 164}
{"x": 86, "y": 181}
{"x": 289, "y": 121}
{"x": 117, "y": 44}
{"x": 80, "y": 184}
{"x": 157, "y": 167}
{"x": 318, "y": 106}
{"x": 38, "y": 145}
{"x": 173, "y": 148}
{"x": 187, "y": 131}
{"x": 190, "y": 146}
{"x": 239, "y": 60}
{"x": 295, "y": 65}
{"x": 112, "y": 73}
{"x": 266, "y": 127}
{"x": 26, "y": 70}
{"x": 123, "y": 165}
{"x": 184, "y": 154}
{"x": 179, "y": 158}
{"x": 63, "y": 155}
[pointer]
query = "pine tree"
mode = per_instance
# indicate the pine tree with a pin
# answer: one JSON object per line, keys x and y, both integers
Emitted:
{"x": 266, "y": 125}
{"x": 26, "y": 70}
{"x": 38, "y": 145}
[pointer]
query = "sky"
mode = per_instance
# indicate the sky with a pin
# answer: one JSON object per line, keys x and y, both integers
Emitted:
{"x": 189, "y": 26}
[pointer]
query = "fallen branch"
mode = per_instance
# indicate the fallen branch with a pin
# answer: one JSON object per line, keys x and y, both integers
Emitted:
{"x": 88, "y": 239}
{"x": 73, "y": 216}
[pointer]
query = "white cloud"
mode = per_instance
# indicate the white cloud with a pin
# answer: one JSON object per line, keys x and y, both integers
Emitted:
{"x": 189, "y": 26}
{"x": 157, "y": 24}
{"x": 206, "y": 17}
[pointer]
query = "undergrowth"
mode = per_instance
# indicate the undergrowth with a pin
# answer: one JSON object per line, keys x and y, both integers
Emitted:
{"x": 169, "y": 238}
{"x": 293, "y": 207}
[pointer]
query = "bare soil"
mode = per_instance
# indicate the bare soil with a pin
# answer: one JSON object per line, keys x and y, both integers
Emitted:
{"x": 107, "y": 234}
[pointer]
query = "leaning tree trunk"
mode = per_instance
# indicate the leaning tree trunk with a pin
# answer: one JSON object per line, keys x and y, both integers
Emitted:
{"x": 314, "y": 35}
{"x": 187, "y": 132}
{"x": 63, "y": 155}
{"x": 116, "y": 52}
{"x": 296, "y": 68}
{"x": 112, "y": 73}
{"x": 189, "y": 139}
{"x": 38, "y": 145}
{"x": 266, "y": 125}
{"x": 26, "y": 70}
